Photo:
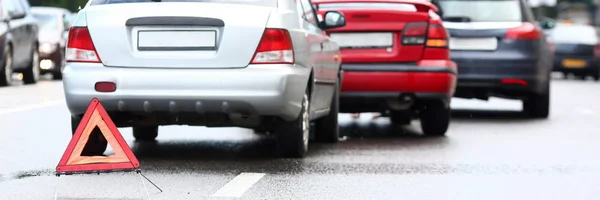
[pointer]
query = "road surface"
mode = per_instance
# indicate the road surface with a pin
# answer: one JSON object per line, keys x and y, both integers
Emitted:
{"x": 492, "y": 153}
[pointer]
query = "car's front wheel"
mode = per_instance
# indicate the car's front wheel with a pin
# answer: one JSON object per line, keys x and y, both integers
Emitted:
{"x": 96, "y": 144}
{"x": 435, "y": 117}
{"x": 32, "y": 73}
{"x": 292, "y": 137}
{"x": 6, "y": 70}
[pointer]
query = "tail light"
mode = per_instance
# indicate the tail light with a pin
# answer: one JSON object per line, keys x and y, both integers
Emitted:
{"x": 527, "y": 31}
{"x": 597, "y": 50}
{"x": 80, "y": 47}
{"x": 275, "y": 47}
{"x": 419, "y": 33}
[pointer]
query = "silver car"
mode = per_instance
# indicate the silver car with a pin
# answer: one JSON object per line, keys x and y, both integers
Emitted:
{"x": 260, "y": 64}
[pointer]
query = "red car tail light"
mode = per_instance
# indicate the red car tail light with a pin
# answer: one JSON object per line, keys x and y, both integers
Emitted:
{"x": 527, "y": 31}
{"x": 597, "y": 50}
{"x": 80, "y": 47}
{"x": 419, "y": 33}
{"x": 275, "y": 47}
{"x": 414, "y": 33}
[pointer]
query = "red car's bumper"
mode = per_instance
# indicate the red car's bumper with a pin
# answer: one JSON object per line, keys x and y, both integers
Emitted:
{"x": 423, "y": 77}
{"x": 367, "y": 87}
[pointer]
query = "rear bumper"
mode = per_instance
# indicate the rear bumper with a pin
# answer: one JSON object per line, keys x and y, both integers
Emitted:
{"x": 500, "y": 77}
{"x": 274, "y": 90}
{"x": 371, "y": 87}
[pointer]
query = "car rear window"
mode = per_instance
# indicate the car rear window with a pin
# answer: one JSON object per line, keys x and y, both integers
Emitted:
{"x": 366, "y": 6}
{"x": 574, "y": 34}
{"x": 483, "y": 10}
{"x": 272, "y": 3}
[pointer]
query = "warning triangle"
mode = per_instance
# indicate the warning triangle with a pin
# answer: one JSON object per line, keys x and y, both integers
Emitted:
{"x": 73, "y": 162}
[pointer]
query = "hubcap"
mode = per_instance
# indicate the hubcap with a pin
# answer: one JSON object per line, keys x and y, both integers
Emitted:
{"x": 305, "y": 121}
{"x": 8, "y": 67}
{"x": 36, "y": 65}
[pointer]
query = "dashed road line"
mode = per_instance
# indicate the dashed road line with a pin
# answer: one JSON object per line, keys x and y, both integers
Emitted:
{"x": 30, "y": 107}
{"x": 239, "y": 185}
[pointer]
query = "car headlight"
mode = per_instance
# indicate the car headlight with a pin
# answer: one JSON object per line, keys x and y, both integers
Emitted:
{"x": 47, "y": 48}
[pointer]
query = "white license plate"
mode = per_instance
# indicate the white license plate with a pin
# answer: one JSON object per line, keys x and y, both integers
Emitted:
{"x": 176, "y": 40}
{"x": 473, "y": 43}
{"x": 363, "y": 40}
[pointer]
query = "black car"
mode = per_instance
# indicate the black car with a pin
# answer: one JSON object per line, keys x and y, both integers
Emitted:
{"x": 19, "y": 42}
{"x": 54, "y": 24}
{"x": 500, "y": 51}
{"x": 577, "y": 50}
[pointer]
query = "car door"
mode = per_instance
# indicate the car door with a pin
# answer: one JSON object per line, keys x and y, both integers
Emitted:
{"x": 21, "y": 48}
{"x": 315, "y": 39}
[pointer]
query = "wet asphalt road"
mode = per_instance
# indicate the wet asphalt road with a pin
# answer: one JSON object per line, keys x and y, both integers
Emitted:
{"x": 488, "y": 154}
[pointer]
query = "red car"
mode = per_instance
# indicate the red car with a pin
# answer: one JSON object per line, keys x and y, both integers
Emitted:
{"x": 395, "y": 61}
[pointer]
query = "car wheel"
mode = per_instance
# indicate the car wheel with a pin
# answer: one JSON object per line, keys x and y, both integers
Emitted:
{"x": 96, "y": 144}
{"x": 145, "y": 133}
{"x": 292, "y": 137}
{"x": 537, "y": 105}
{"x": 565, "y": 75}
{"x": 32, "y": 74}
{"x": 596, "y": 75}
{"x": 6, "y": 70}
{"x": 57, "y": 73}
{"x": 400, "y": 118}
{"x": 435, "y": 118}
{"x": 326, "y": 128}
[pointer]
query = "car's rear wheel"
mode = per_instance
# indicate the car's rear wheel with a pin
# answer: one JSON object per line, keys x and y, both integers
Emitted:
{"x": 435, "y": 117}
{"x": 400, "y": 118}
{"x": 6, "y": 70}
{"x": 145, "y": 133}
{"x": 596, "y": 75}
{"x": 292, "y": 137}
{"x": 32, "y": 73}
{"x": 96, "y": 144}
{"x": 537, "y": 105}
{"x": 326, "y": 128}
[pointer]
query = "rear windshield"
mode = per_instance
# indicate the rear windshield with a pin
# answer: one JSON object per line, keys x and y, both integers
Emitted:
{"x": 574, "y": 34}
{"x": 47, "y": 21}
{"x": 272, "y": 3}
{"x": 483, "y": 10}
{"x": 366, "y": 6}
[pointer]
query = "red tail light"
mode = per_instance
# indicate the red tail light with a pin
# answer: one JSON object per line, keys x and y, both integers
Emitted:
{"x": 80, "y": 47}
{"x": 419, "y": 33}
{"x": 527, "y": 31}
{"x": 275, "y": 47}
{"x": 597, "y": 50}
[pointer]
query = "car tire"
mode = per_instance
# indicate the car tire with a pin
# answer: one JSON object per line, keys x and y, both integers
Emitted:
{"x": 400, "y": 118}
{"x": 96, "y": 144}
{"x": 596, "y": 75}
{"x": 292, "y": 137}
{"x": 537, "y": 105}
{"x": 145, "y": 133}
{"x": 326, "y": 128}
{"x": 57, "y": 73}
{"x": 32, "y": 73}
{"x": 6, "y": 70}
{"x": 435, "y": 118}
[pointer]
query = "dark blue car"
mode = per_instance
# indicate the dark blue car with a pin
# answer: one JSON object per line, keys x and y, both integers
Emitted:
{"x": 576, "y": 50}
{"x": 500, "y": 51}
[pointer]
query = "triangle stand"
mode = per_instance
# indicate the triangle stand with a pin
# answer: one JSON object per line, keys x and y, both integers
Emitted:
{"x": 122, "y": 161}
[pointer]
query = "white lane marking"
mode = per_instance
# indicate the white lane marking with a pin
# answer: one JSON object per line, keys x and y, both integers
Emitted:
{"x": 238, "y": 185}
{"x": 585, "y": 111}
{"x": 30, "y": 107}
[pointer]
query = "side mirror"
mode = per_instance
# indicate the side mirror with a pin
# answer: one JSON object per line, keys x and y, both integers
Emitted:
{"x": 547, "y": 24}
{"x": 333, "y": 19}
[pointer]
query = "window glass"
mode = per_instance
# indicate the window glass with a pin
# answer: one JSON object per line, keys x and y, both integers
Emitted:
{"x": 272, "y": 3}
{"x": 483, "y": 10}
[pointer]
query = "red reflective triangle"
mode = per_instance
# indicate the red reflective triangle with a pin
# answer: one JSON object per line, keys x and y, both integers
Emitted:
{"x": 73, "y": 162}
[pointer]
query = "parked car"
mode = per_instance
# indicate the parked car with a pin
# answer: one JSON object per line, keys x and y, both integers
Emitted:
{"x": 264, "y": 65}
{"x": 501, "y": 51}
{"x": 577, "y": 50}
{"x": 19, "y": 43}
{"x": 395, "y": 61}
{"x": 53, "y": 23}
